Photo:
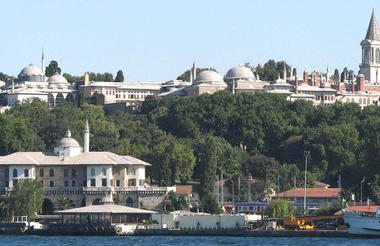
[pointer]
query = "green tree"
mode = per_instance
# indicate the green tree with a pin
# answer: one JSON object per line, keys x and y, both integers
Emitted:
{"x": 119, "y": 76}
{"x": 279, "y": 208}
{"x": 52, "y": 69}
{"x": 64, "y": 203}
{"x": 335, "y": 76}
{"x": 270, "y": 71}
{"x": 4, "y": 77}
{"x": 118, "y": 198}
{"x": 26, "y": 198}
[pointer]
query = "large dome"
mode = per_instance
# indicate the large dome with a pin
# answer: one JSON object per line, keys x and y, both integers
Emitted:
{"x": 239, "y": 73}
{"x": 208, "y": 76}
{"x": 57, "y": 79}
{"x": 30, "y": 70}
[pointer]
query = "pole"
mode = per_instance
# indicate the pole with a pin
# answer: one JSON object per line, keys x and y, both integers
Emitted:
{"x": 239, "y": 189}
{"x": 361, "y": 191}
{"x": 222, "y": 180}
{"x": 278, "y": 183}
{"x": 249, "y": 187}
{"x": 307, "y": 153}
{"x": 295, "y": 186}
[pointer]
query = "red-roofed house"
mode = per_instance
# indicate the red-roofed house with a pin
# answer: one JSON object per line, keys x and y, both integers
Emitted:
{"x": 313, "y": 195}
{"x": 366, "y": 209}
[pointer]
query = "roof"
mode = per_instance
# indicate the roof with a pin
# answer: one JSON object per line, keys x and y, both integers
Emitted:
{"x": 312, "y": 192}
{"x": 88, "y": 158}
{"x": 106, "y": 208}
{"x": 184, "y": 189}
{"x": 366, "y": 208}
{"x": 373, "y": 29}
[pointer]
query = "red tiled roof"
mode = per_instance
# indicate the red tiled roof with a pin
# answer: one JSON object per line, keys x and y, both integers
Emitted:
{"x": 311, "y": 192}
{"x": 366, "y": 208}
{"x": 184, "y": 189}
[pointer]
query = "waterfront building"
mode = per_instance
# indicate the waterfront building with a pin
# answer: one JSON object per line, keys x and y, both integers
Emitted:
{"x": 84, "y": 176}
{"x": 313, "y": 195}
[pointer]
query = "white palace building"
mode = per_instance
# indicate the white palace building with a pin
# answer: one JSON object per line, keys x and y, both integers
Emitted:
{"x": 83, "y": 176}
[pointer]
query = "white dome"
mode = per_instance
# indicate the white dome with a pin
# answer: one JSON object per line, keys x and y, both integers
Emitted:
{"x": 30, "y": 71}
{"x": 208, "y": 76}
{"x": 57, "y": 79}
{"x": 241, "y": 73}
{"x": 67, "y": 141}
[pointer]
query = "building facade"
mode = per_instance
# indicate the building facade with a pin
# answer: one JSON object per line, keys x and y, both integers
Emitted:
{"x": 82, "y": 176}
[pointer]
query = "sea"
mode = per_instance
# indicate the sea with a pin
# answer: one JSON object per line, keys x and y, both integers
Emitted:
{"x": 182, "y": 241}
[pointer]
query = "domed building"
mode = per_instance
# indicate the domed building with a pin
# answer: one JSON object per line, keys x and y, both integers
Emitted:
{"x": 242, "y": 79}
{"x": 206, "y": 82}
{"x": 83, "y": 176}
{"x": 31, "y": 83}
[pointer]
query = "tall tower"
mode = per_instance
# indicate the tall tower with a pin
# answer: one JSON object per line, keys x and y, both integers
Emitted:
{"x": 194, "y": 71}
{"x": 371, "y": 51}
{"x": 43, "y": 63}
{"x": 86, "y": 145}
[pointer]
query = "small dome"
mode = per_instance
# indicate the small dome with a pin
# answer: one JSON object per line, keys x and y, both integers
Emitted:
{"x": 106, "y": 200}
{"x": 241, "y": 73}
{"x": 57, "y": 79}
{"x": 67, "y": 141}
{"x": 30, "y": 70}
{"x": 208, "y": 76}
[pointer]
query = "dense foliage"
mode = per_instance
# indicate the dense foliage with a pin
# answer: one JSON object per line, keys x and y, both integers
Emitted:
{"x": 195, "y": 138}
{"x": 279, "y": 208}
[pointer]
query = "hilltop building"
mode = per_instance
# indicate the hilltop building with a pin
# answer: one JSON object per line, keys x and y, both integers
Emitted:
{"x": 84, "y": 176}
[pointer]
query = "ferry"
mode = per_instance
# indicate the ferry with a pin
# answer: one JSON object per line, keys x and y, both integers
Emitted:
{"x": 362, "y": 223}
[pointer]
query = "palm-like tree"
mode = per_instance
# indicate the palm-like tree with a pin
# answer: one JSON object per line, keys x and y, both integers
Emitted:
{"x": 64, "y": 203}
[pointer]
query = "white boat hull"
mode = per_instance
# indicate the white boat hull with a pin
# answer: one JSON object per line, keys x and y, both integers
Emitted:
{"x": 361, "y": 225}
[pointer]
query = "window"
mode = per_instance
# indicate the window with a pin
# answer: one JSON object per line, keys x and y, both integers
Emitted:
{"x": 6, "y": 183}
{"x": 133, "y": 171}
{"x": 66, "y": 183}
{"x": 66, "y": 173}
{"x": 26, "y": 173}
{"x": 42, "y": 173}
{"x": 84, "y": 183}
{"x": 92, "y": 182}
{"x": 73, "y": 173}
{"x": 118, "y": 183}
{"x": 73, "y": 183}
{"x": 51, "y": 172}
{"x": 6, "y": 173}
{"x": 14, "y": 172}
{"x": 104, "y": 171}
{"x": 92, "y": 171}
{"x": 132, "y": 182}
{"x": 104, "y": 182}
{"x": 51, "y": 183}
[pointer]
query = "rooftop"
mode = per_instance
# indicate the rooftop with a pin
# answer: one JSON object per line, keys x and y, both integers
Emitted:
{"x": 311, "y": 192}
{"x": 106, "y": 208}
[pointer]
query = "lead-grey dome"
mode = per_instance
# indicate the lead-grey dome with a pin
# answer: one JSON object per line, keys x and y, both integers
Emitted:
{"x": 208, "y": 77}
{"x": 67, "y": 141}
{"x": 239, "y": 73}
{"x": 30, "y": 71}
{"x": 57, "y": 79}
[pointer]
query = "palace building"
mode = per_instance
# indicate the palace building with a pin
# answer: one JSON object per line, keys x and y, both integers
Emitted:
{"x": 84, "y": 176}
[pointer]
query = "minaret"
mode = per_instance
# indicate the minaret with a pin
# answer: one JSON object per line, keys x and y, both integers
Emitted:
{"x": 13, "y": 86}
{"x": 328, "y": 74}
{"x": 284, "y": 71}
{"x": 86, "y": 145}
{"x": 191, "y": 75}
{"x": 194, "y": 71}
{"x": 291, "y": 72}
{"x": 43, "y": 63}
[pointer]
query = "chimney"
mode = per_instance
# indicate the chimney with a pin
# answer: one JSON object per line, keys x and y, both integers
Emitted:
{"x": 360, "y": 82}
{"x": 86, "y": 138}
{"x": 86, "y": 78}
{"x": 316, "y": 80}
{"x": 339, "y": 86}
{"x": 352, "y": 87}
{"x": 296, "y": 84}
{"x": 305, "y": 77}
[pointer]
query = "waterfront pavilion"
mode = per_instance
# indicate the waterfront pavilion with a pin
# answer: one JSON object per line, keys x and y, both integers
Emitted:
{"x": 105, "y": 214}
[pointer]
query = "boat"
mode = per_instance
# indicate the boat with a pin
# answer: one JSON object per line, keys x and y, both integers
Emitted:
{"x": 362, "y": 223}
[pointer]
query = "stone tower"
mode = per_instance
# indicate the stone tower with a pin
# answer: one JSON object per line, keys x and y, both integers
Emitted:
{"x": 371, "y": 52}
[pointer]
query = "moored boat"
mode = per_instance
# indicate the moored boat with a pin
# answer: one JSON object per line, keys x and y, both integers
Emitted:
{"x": 362, "y": 223}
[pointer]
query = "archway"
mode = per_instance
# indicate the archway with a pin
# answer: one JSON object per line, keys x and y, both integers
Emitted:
{"x": 47, "y": 206}
{"x": 70, "y": 97}
{"x": 129, "y": 202}
{"x": 59, "y": 99}
{"x": 96, "y": 201}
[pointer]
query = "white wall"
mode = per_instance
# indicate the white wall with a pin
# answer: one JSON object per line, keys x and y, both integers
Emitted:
{"x": 20, "y": 172}
{"x": 99, "y": 175}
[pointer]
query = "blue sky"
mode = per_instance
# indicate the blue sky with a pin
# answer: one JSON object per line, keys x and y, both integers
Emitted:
{"x": 157, "y": 40}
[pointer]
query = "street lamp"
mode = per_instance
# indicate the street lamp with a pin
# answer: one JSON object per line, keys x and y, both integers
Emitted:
{"x": 307, "y": 154}
{"x": 361, "y": 191}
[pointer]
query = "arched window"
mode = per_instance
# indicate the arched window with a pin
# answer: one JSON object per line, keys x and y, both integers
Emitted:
{"x": 104, "y": 171}
{"x": 92, "y": 171}
{"x": 15, "y": 173}
{"x": 42, "y": 173}
{"x": 73, "y": 173}
{"x": 51, "y": 172}
{"x": 377, "y": 55}
{"x": 129, "y": 202}
{"x": 66, "y": 173}
{"x": 26, "y": 173}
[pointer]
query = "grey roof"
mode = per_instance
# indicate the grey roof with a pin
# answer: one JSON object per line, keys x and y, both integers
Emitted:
{"x": 373, "y": 29}
{"x": 106, "y": 208}
{"x": 49, "y": 158}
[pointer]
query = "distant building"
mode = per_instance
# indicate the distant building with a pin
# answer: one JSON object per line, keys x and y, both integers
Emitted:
{"x": 313, "y": 195}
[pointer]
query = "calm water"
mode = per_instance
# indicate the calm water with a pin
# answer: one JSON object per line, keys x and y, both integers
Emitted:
{"x": 196, "y": 241}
